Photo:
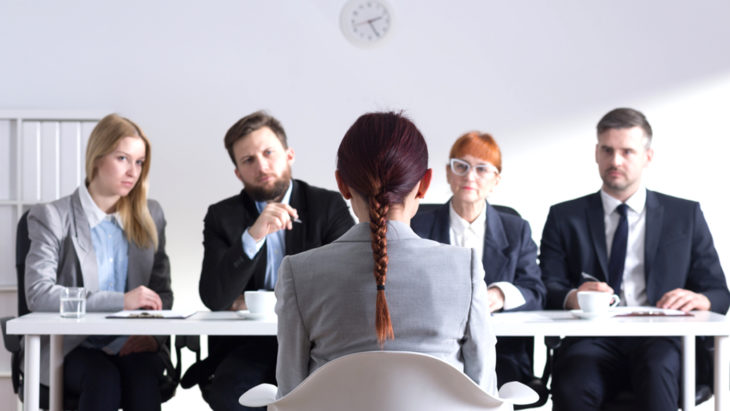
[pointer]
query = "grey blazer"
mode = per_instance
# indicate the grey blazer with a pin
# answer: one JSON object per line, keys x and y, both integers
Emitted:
{"x": 436, "y": 296}
{"x": 62, "y": 254}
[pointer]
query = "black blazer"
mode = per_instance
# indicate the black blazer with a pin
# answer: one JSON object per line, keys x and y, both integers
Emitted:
{"x": 227, "y": 270}
{"x": 679, "y": 251}
{"x": 509, "y": 252}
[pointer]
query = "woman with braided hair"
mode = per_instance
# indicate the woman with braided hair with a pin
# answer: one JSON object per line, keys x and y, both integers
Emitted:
{"x": 327, "y": 302}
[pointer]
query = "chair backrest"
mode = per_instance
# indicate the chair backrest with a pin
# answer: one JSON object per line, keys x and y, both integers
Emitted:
{"x": 426, "y": 207}
{"x": 391, "y": 380}
{"x": 22, "y": 246}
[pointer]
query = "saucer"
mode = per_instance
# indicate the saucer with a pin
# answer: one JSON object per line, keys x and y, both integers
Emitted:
{"x": 590, "y": 316}
{"x": 255, "y": 316}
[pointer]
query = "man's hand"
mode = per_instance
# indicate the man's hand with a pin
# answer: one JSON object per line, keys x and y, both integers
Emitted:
{"x": 685, "y": 300}
{"x": 571, "y": 303}
{"x": 139, "y": 343}
{"x": 274, "y": 217}
{"x": 142, "y": 298}
{"x": 496, "y": 299}
{"x": 238, "y": 304}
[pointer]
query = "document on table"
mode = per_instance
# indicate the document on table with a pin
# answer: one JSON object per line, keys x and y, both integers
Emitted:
{"x": 164, "y": 314}
{"x": 648, "y": 312}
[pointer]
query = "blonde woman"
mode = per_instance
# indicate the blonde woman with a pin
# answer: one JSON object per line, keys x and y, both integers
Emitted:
{"x": 110, "y": 239}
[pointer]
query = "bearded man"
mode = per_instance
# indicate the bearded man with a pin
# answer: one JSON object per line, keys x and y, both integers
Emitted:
{"x": 245, "y": 238}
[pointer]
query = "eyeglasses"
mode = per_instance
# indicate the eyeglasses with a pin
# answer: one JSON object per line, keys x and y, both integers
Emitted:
{"x": 462, "y": 168}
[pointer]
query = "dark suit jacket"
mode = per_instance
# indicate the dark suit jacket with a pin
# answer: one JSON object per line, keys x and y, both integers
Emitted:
{"x": 227, "y": 270}
{"x": 679, "y": 251}
{"x": 509, "y": 252}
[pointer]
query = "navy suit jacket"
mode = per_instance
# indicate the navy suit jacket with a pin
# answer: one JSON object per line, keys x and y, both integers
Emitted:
{"x": 509, "y": 252}
{"x": 679, "y": 251}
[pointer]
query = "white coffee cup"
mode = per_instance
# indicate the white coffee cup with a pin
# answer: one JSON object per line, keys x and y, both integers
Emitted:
{"x": 597, "y": 301}
{"x": 260, "y": 301}
{"x": 73, "y": 302}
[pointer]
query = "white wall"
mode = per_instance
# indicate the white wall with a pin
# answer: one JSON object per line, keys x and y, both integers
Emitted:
{"x": 538, "y": 75}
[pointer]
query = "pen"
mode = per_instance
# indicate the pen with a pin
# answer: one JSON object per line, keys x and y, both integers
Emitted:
{"x": 589, "y": 277}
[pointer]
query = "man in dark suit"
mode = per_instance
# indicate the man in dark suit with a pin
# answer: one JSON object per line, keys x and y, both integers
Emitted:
{"x": 246, "y": 237}
{"x": 650, "y": 248}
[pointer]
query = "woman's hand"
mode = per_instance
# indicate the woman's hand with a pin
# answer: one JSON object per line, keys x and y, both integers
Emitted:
{"x": 142, "y": 298}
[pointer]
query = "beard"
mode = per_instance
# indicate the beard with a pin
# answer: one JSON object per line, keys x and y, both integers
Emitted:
{"x": 616, "y": 184}
{"x": 274, "y": 193}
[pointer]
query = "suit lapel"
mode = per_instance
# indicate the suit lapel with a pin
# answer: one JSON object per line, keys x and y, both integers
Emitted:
{"x": 596, "y": 226}
{"x": 139, "y": 265}
{"x": 495, "y": 244}
{"x": 440, "y": 228}
{"x": 82, "y": 244}
{"x": 294, "y": 238}
{"x": 247, "y": 219}
{"x": 653, "y": 229}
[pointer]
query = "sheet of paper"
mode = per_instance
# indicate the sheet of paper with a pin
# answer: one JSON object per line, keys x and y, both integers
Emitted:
{"x": 164, "y": 314}
{"x": 648, "y": 312}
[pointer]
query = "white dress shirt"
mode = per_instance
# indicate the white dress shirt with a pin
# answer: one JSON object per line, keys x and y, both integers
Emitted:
{"x": 633, "y": 285}
{"x": 471, "y": 235}
{"x": 275, "y": 251}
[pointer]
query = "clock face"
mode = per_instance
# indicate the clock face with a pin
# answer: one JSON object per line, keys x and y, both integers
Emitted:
{"x": 366, "y": 22}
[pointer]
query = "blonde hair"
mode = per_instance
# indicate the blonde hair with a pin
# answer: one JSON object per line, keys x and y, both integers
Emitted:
{"x": 137, "y": 222}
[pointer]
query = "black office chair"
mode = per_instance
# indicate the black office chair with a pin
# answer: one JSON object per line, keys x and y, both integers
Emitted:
{"x": 426, "y": 207}
{"x": 168, "y": 384}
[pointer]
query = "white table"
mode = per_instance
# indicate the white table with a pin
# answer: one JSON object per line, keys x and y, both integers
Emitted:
{"x": 36, "y": 324}
{"x": 535, "y": 323}
{"x": 562, "y": 323}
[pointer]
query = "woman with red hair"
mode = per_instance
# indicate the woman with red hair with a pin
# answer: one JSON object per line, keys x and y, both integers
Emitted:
{"x": 425, "y": 297}
{"x": 502, "y": 241}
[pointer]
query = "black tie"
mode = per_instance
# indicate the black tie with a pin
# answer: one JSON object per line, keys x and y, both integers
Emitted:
{"x": 618, "y": 251}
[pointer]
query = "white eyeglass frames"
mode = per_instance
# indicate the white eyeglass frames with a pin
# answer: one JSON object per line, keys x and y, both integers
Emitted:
{"x": 461, "y": 168}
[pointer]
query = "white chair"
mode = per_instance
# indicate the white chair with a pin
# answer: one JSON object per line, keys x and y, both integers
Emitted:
{"x": 388, "y": 380}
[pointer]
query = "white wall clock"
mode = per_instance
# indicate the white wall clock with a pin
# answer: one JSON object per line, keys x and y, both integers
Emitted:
{"x": 366, "y": 23}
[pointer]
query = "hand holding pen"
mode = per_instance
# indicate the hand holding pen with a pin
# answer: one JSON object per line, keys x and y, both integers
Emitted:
{"x": 274, "y": 217}
{"x": 591, "y": 283}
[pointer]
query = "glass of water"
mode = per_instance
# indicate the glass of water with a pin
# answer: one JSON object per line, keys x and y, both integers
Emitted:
{"x": 73, "y": 302}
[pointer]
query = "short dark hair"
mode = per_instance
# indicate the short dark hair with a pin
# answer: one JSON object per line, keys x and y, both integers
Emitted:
{"x": 625, "y": 118}
{"x": 248, "y": 125}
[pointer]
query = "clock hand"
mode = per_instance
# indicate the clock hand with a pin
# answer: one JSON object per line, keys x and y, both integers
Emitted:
{"x": 370, "y": 22}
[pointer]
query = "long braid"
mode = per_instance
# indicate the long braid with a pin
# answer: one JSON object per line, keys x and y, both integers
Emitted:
{"x": 378, "y": 228}
{"x": 381, "y": 158}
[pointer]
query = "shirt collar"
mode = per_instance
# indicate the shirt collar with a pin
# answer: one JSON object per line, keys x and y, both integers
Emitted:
{"x": 460, "y": 225}
{"x": 636, "y": 202}
{"x": 94, "y": 214}
{"x": 260, "y": 205}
